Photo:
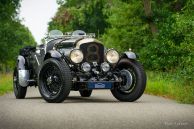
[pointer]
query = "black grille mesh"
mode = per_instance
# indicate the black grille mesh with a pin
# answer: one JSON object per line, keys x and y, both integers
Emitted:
{"x": 93, "y": 52}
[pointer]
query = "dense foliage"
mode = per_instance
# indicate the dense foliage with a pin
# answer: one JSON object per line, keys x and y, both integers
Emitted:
{"x": 173, "y": 47}
{"x": 13, "y": 34}
{"x": 75, "y": 14}
{"x": 161, "y": 31}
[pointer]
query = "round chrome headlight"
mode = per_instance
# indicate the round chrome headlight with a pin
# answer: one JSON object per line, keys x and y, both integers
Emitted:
{"x": 76, "y": 56}
{"x": 105, "y": 67}
{"x": 112, "y": 56}
{"x": 86, "y": 67}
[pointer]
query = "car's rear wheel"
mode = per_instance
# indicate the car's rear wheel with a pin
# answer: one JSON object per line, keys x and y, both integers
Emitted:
{"x": 85, "y": 93}
{"x": 19, "y": 91}
{"x": 55, "y": 80}
{"x": 133, "y": 81}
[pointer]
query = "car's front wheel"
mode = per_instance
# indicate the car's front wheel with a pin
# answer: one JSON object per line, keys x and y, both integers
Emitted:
{"x": 55, "y": 80}
{"x": 133, "y": 81}
{"x": 19, "y": 91}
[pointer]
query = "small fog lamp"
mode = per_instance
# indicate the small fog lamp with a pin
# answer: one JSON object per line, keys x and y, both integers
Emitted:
{"x": 86, "y": 67}
{"x": 105, "y": 67}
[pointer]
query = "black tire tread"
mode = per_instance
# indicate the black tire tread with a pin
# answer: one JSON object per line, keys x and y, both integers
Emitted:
{"x": 67, "y": 81}
{"x": 21, "y": 91}
{"x": 142, "y": 80}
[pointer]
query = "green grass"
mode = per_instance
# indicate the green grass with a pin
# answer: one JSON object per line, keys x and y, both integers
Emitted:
{"x": 168, "y": 86}
{"x": 5, "y": 83}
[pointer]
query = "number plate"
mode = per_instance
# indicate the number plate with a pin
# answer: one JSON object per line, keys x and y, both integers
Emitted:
{"x": 99, "y": 85}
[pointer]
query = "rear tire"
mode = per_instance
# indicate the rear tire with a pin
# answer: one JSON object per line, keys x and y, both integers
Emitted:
{"x": 55, "y": 80}
{"x": 85, "y": 93}
{"x": 19, "y": 91}
{"x": 137, "y": 85}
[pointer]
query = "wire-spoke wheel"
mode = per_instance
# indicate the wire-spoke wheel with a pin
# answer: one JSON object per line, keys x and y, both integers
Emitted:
{"x": 55, "y": 80}
{"x": 133, "y": 81}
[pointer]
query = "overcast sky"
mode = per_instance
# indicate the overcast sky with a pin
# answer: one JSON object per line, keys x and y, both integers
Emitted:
{"x": 36, "y": 15}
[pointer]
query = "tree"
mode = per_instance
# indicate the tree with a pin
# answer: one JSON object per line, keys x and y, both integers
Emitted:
{"x": 85, "y": 15}
{"x": 161, "y": 31}
{"x": 126, "y": 26}
{"x": 13, "y": 34}
{"x": 149, "y": 15}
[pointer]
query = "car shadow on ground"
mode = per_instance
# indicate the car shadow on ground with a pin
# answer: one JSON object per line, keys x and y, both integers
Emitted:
{"x": 33, "y": 98}
{"x": 77, "y": 99}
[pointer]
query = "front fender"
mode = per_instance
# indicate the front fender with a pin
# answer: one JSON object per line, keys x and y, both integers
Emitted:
{"x": 21, "y": 62}
{"x": 129, "y": 55}
{"x": 52, "y": 54}
{"x": 23, "y": 73}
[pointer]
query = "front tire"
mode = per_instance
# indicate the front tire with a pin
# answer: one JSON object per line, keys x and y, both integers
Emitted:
{"x": 19, "y": 91}
{"x": 55, "y": 80}
{"x": 85, "y": 93}
{"x": 134, "y": 82}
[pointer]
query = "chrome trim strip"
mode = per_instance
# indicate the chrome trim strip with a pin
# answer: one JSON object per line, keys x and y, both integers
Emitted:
{"x": 37, "y": 59}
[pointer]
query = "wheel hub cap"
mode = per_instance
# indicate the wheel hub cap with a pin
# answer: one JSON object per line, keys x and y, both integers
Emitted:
{"x": 126, "y": 79}
{"x": 49, "y": 80}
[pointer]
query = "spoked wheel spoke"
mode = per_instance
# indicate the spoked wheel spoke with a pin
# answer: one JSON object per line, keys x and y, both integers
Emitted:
{"x": 55, "y": 80}
{"x": 52, "y": 80}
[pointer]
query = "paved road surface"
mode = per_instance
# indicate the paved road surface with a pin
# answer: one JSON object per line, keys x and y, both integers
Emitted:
{"x": 101, "y": 111}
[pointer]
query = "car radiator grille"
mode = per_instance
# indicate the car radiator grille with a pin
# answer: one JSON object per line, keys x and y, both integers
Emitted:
{"x": 93, "y": 52}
